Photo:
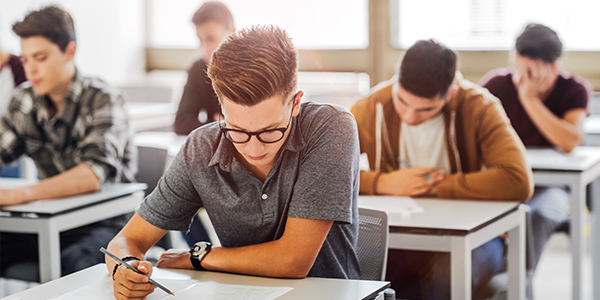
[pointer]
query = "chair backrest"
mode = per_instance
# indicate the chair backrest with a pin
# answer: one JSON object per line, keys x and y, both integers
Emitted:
{"x": 372, "y": 246}
{"x": 152, "y": 165}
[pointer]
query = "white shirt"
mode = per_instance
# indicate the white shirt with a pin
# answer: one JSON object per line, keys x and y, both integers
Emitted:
{"x": 424, "y": 145}
{"x": 7, "y": 84}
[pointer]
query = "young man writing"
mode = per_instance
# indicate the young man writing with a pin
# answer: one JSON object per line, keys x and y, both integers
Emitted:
{"x": 546, "y": 106}
{"x": 74, "y": 128}
{"x": 279, "y": 179}
{"x": 199, "y": 104}
{"x": 462, "y": 146}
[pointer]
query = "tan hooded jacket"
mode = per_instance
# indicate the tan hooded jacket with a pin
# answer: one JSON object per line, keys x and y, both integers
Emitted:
{"x": 487, "y": 158}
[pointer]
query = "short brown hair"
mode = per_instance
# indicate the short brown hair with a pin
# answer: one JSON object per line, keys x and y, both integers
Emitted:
{"x": 213, "y": 11}
{"x": 427, "y": 69}
{"x": 50, "y": 22}
{"x": 254, "y": 64}
{"x": 539, "y": 42}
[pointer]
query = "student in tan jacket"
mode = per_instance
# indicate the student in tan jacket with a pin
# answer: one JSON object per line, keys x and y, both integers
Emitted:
{"x": 460, "y": 141}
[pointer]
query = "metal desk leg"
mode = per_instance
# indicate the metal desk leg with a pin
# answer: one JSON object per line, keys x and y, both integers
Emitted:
{"x": 595, "y": 232}
{"x": 460, "y": 268}
{"x": 49, "y": 251}
{"x": 578, "y": 193}
{"x": 516, "y": 260}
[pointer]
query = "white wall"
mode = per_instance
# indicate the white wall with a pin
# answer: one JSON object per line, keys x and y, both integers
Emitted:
{"x": 110, "y": 34}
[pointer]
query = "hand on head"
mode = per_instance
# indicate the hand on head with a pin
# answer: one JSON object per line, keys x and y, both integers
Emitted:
{"x": 534, "y": 79}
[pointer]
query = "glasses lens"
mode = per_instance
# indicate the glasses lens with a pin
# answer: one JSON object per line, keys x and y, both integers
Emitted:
{"x": 238, "y": 137}
{"x": 271, "y": 136}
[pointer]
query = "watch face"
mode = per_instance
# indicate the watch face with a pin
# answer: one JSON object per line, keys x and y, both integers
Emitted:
{"x": 198, "y": 248}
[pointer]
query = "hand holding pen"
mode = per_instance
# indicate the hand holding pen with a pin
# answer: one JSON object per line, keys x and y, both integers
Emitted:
{"x": 410, "y": 166}
{"x": 128, "y": 285}
{"x": 408, "y": 181}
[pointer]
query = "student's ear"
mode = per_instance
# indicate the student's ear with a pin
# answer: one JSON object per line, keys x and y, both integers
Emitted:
{"x": 451, "y": 91}
{"x": 297, "y": 100}
{"x": 70, "y": 50}
{"x": 554, "y": 67}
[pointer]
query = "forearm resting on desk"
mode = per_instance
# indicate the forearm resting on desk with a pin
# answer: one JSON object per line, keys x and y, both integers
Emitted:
{"x": 77, "y": 180}
{"x": 291, "y": 256}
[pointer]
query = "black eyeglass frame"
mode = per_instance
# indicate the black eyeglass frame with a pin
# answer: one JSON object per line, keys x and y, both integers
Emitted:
{"x": 225, "y": 130}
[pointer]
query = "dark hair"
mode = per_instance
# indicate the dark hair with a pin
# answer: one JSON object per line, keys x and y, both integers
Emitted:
{"x": 539, "y": 42}
{"x": 427, "y": 69}
{"x": 254, "y": 64}
{"x": 50, "y": 22}
{"x": 213, "y": 11}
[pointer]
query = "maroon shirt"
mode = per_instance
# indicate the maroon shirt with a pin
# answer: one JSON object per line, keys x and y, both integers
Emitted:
{"x": 570, "y": 92}
{"x": 16, "y": 66}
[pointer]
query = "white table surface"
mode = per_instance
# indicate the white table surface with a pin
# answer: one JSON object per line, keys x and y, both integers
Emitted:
{"x": 458, "y": 226}
{"x": 151, "y": 115}
{"x": 307, "y": 288}
{"x": 68, "y": 214}
{"x": 591, "y": 124}
{"x": 575, "y": 170}
{"x": 160, "y": 139}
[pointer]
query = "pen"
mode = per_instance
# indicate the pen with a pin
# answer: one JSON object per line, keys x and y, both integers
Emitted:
{"x": 408, "y": 165}
{"x": 122, "y": 263}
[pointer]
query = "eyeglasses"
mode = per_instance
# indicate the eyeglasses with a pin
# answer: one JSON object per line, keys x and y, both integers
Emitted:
{"x": 268, "y": 136}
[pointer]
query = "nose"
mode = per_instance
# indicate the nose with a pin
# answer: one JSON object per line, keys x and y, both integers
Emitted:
{"x": 411, "y": 117}
{"x": 30, "y": 69}
{"x": 254, "y": 147}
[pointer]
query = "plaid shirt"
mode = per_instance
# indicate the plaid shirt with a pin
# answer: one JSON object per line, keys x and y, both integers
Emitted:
{"x": 92, "y": 128}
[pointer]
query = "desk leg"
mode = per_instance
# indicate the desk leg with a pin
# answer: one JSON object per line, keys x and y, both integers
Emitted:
{"x": 516, "y": 260}
{"x": 578, "y": 193}
{"x": 49, "y": 252}
{"x": 595, "y": 240}
{"x": 460, "y": 268}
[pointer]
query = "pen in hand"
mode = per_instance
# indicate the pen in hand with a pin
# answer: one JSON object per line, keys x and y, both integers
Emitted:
{"x": 128, "y": 266}
{"x": 410, "y": 166}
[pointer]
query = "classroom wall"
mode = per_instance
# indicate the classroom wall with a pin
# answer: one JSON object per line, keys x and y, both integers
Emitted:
{"x": 110, "y": 34}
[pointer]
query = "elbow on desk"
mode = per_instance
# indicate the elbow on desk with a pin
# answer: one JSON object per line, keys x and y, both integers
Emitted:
{"x": 521, "y": 187}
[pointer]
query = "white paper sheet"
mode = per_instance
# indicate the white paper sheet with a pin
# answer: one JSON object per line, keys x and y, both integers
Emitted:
{"x": 183, "y": 289}
{"x": 391, "y": 204}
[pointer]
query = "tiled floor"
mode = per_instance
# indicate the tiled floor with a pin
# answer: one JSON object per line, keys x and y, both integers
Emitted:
{"x": 552, "y": 280}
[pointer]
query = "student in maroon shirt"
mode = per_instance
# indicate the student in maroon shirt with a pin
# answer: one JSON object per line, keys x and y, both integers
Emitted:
{"x": 546, "y": 106}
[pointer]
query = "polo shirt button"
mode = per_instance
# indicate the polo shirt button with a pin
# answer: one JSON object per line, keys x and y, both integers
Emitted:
{"x": 264, "y": 196}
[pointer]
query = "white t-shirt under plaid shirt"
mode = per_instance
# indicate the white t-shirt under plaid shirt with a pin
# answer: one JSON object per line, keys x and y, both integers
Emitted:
{"x": 92, "y": 128}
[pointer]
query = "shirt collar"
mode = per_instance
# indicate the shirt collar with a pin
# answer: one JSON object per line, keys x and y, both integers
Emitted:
{"x": 224, "y": 157}
{"x": 72, "y": 97}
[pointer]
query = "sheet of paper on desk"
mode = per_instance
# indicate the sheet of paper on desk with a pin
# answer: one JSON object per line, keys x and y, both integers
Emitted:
{"x": 544, "y": 155}
{"x": 391, "y": 205}
{"x": 218, "y": 291}
{"x": 183, "y": 289}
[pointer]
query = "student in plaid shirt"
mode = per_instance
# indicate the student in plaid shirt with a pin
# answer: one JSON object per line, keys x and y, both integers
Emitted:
{"x": 76, "y": 130}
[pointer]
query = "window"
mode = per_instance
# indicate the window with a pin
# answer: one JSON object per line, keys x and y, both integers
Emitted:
{"x": 312, "y": 24}
{"x": 494, "y": 24}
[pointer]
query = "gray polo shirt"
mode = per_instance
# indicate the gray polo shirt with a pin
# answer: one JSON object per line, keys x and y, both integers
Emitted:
{"x": 315, "y": 176}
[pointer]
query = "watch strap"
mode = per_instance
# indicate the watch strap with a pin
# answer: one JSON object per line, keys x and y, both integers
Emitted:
{"x": 196, "y": 260}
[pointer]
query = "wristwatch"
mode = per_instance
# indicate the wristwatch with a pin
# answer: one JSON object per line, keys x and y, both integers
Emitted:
{"x": 197, "y": 254}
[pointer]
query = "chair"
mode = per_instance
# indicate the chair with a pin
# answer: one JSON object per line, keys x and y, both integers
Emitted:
{"x": 152, "y": 165}
{"x": 372, "y": 246}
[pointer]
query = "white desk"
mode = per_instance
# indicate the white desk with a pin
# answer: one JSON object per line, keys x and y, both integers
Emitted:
{"x": 307, "y": 288}
{"x": 48, "y": 219}
{"x": 151, "y": 115}
{"x": 591, "y": 128}
{"x": 162, "y": 140}
{"x": 575, "y": 170}
{"x": 458, "y": 227}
